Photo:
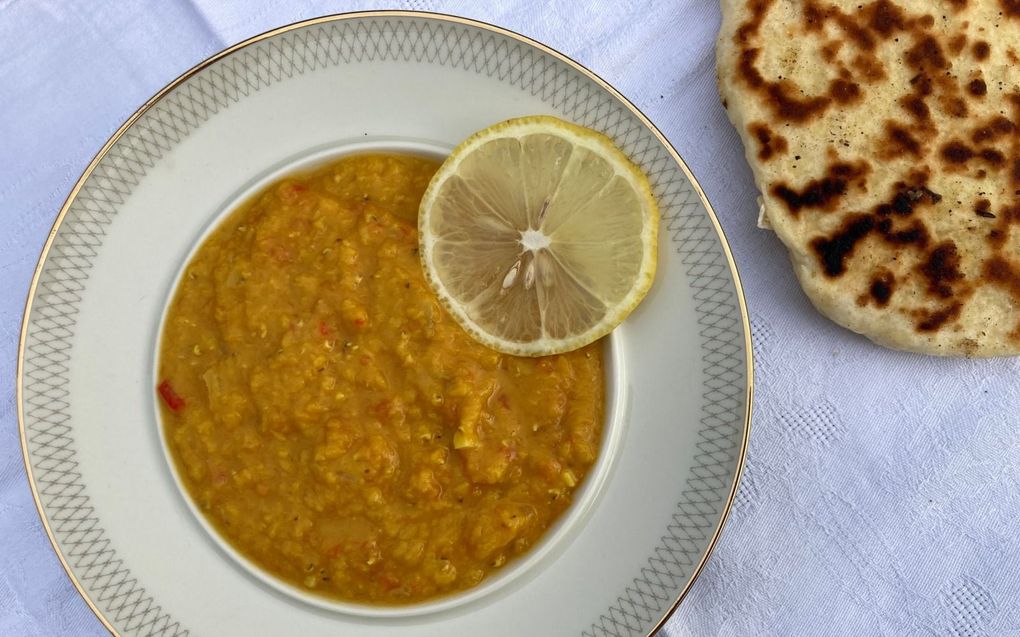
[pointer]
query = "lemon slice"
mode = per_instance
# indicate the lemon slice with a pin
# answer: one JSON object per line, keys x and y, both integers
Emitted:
{"x": 539, "y": 236}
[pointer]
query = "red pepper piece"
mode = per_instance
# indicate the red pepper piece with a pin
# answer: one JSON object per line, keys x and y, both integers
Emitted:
{"x": 170, "y": 397}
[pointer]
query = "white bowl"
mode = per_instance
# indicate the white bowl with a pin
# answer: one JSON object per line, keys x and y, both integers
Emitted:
{"x": 643, "y": 525}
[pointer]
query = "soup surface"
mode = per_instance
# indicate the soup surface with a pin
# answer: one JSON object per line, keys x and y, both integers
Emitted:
{"x": 334, "y": 424}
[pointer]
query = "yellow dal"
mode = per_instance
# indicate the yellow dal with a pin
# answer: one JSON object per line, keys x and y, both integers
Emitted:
{"x": 335, "y": 425}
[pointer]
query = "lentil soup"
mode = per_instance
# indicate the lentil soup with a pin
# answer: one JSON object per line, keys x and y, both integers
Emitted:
{"x": 331, "y": 421}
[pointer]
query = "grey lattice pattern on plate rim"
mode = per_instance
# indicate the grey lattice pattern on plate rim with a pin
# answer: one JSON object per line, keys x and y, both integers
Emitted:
{"x": 48, "y": 428}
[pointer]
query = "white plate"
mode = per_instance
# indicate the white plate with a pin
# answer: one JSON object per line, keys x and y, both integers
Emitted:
{"x": 644, "y": 523}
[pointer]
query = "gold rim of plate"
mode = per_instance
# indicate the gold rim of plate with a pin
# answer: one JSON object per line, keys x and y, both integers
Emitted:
{"x": 745, "y": 321}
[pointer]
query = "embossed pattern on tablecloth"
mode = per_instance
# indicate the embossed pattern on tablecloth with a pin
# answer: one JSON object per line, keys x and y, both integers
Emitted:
{"x": 882, "y": 490}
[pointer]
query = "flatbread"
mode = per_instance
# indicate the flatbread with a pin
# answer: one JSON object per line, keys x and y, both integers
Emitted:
{"x": 885, "y": 139}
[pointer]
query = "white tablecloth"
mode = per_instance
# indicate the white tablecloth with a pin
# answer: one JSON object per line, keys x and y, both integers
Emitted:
{"x": 882, "y": 490}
